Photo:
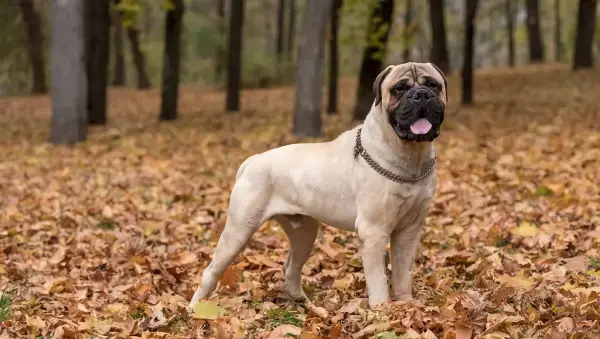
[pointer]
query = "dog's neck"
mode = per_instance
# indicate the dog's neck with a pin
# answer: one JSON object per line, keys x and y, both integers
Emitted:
{"x": 388, "y": 150}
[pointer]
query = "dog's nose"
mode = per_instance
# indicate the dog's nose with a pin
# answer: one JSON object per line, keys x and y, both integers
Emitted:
{"x": 422, "y": 94}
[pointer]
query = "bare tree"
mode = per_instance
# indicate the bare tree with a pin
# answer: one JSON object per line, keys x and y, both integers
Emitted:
{"x": 119, "y": 70}
{"x": 171, "y": 61}
{"x": 309, "y": 76}
{"x": 234, "y": 55}
{"x": 67, "y": 71}
{"x": 333, "y": 57}
{"x": 373, "y": 56}
{"x": 558, "y": 48}
{"x": 139, "y": 59}
{"x": 97, "y": 26}
{"x": 510, "y": 31}
{"x": 439, "y": 49}
{"x": 280, "y": 29}
{"x": 536, "y": 46}
{"x": 467, "y": 70}
{"x": 407, "y": 33}
{"x": 291, "y": 29}
{"x": 586, "y": 26}
{"x": 35, "y": 45}
{"x": 220, "y": 53}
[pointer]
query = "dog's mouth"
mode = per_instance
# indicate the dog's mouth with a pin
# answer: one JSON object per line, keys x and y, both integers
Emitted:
{"x": 421, "y": 126}
{"x": 418, "y": 127}
{"x": 420, "y": 131}
{"x": 417, "y": 116}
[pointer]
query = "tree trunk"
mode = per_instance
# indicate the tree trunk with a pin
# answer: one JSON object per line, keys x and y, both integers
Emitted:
{"x": 35, "y": 46}
{"x": 234, "y": 56}
{"x": 280, "y": 29}
{"x": 510, "y": 30}
{"x": 333, "y": 57}
{"x": 558, "y": 49}
{"x": 309, "y": 76}
{"x": 67, "y": 72}
{"x": 291, "y": 29}
{"x": 536, "y": 48}
{"x": 119, "y": 75}
{"x": 467, "y": 70}
{"x": 439, "y": 49}
{"x": 97, "y": 26}
{"x": 408, "y": 19}
{"x": 373, "y": 56}
{"x": 586, "y": 26}
{"x": 171, "y": 61}
{"x": 220, "y": 53}
{"x": 139, "y": 60}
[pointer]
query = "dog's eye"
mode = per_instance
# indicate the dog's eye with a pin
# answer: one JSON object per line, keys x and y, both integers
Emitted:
{"x": 434, "y": 86}
{"x": 398, "y": 89}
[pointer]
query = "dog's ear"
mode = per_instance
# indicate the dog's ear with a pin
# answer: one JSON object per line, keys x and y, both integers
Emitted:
{"x": 443, "y": 77}
{"x": 377, "y": 84}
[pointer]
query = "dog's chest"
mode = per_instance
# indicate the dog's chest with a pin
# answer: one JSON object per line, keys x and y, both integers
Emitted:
{"x": 396, "y": 204}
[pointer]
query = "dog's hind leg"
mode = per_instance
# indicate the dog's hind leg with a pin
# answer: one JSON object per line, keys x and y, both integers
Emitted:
{"x": 301, "y": 232}
{"x": 245, "y": 215}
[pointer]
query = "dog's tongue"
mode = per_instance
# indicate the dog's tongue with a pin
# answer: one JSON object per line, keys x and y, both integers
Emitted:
{"x": 421, "y": 126}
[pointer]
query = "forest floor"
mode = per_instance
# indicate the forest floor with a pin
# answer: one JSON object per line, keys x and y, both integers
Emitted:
{"x": 109, "y": 238}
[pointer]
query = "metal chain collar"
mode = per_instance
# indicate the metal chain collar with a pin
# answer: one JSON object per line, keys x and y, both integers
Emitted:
{"x": 358, "y": 149}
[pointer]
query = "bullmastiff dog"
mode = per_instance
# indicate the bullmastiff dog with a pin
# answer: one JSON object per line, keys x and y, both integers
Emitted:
{"x": 377, "y": 179}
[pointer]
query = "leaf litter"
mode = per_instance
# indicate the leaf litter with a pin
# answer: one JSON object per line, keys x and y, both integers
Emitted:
{"x": 108, "y": 239}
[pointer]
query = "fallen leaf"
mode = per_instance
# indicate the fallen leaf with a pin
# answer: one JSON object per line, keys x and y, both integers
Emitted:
{"x": 525, "y": 229}
{"x": 373, "y": 328}
{"x": 463, "y": 332}
{"x": 58, "y": 256}
{"x": 284, "y": 331}
{"x": 207, "y": 310}
{"x": 577, "y": 264}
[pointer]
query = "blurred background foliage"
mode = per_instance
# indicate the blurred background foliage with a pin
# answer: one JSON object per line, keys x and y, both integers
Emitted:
{"x": 202, "y": 34}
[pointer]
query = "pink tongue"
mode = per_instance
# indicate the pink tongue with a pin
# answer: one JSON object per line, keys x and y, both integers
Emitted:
{"x": 421, "y": 126}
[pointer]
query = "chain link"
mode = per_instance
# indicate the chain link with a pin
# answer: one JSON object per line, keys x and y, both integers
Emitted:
{"x": 359, "y": 150}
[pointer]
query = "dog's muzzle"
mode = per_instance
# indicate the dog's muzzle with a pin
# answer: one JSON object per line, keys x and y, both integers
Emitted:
{"x": 418, "y": 116}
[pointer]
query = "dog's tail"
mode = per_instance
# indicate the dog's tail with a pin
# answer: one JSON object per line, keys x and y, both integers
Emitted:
{"x": 243, "y": 166}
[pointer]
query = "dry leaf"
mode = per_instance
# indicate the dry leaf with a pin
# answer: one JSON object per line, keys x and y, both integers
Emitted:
{"x": 284, "y": 331}
{"x": 525, "y": 229}
{"x": 207, "y": 310}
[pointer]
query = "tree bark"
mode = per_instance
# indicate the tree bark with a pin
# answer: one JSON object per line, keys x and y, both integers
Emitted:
{"x": 234, "y": 56}
{"x": 97, "y": 26}
{"x": 280, "y": 29}
{"x": 171, "y": 61}
{"x": 408, "y": 18}
{"x": 220, "y": 53}
{"x": 467, "y": 70}
{"x": 139, "y": 60}
{"x": 309, "y": 76}
{"x": 373, "y": 56}
{"x": 333, "y": 57}
{"x": 559, "y": 48}
{"x": 510, "y": 31}
{"x": 536, "y": 46}
{"x": 35, "y": 46}
{"x": 67, "y": 72}
{"x": 119, "y": 75}
{"x": 439, "y": 49}
{"x": 291, "y": 29}
{"x": 586, "y": 26}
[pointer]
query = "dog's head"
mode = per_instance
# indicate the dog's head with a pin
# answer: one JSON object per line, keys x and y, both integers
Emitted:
{"x": 413, "y": 95}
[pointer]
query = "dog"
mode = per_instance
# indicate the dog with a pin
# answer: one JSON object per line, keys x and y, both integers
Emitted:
{"x": 377, "y": 179}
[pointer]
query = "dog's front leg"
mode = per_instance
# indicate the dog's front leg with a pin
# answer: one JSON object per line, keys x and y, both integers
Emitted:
{"x": 404, "y": 243}
{"x": 373, "y": 240}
